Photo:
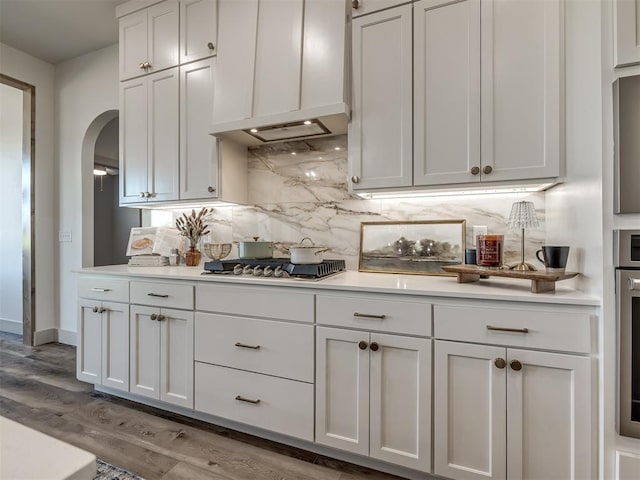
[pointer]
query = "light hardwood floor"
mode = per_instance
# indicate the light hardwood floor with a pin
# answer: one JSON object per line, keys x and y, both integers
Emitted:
{"x": 38, "y": 388}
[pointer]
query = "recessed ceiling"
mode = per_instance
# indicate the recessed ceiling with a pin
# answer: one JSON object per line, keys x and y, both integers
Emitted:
{"x": 58, "y": 30}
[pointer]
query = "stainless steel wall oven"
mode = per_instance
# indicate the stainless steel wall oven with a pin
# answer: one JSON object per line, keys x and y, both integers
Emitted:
{"x": 627, "y": 257}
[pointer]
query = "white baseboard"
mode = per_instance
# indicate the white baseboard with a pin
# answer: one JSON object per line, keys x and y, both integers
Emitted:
{"x": 68, "y": 337}
{"x": 45, "y": 336}
{"x": 11, "y": 326}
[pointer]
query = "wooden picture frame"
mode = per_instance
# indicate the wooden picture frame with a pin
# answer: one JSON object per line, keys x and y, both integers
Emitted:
{"x": 411, "y": 247}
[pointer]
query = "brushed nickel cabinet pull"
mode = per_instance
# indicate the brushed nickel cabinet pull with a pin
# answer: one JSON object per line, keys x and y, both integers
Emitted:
{"x": 355, "y": 4}
{"x": 500, "y": 363}
{"x": 159, "y": 295}
{"x": 368, "y": 315}
{"x": 97, "y": 289}
{"x": 355, "y": 179}
{"x": 211, "y": 190}
{"x": 161, "y": 318}
{"x": 95, "y": 309}
{"x": 153, "y": 316}
{"x": 211, "y": 46}
{"x": 102, "y": 310}
{"x": 247, "y": 400}
{"x": 244, "y": 345}
{"x": 505, "y": 329}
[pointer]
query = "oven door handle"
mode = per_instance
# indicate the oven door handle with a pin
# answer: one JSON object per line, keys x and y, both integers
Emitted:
{"x": 634, "y": 284}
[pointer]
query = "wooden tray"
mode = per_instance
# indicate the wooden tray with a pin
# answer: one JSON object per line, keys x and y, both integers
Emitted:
{"x": 541, "y": 281}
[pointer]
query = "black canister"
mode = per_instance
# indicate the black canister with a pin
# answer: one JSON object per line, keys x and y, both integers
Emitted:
{"x": 470, "y": 256}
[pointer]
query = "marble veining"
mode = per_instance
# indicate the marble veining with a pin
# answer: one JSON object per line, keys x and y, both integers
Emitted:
{"x": 299, "y": 189}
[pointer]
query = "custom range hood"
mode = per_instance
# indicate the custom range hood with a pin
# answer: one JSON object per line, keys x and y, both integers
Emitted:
{"x": 291, "y": 126}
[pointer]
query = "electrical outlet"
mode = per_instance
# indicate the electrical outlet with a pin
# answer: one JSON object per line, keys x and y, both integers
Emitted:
{"x": 64, "y": 237}
{"x": 478, "y": 230}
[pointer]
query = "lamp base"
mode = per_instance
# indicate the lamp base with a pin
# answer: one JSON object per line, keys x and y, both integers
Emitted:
{"x": 523, "y": 267}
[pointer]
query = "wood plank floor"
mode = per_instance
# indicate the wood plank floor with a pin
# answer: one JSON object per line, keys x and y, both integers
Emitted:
{"x": 38, "y": 388}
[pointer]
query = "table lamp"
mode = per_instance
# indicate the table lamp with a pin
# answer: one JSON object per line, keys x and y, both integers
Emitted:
{"x": 523, "y": 215}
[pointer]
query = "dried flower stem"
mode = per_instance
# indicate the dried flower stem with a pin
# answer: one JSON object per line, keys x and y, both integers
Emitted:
{"x": 193, "y": 226}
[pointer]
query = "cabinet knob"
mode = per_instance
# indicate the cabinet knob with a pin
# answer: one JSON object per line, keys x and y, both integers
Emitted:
{"x": 143, "y": 194}
{"x": 500, "y": 363}
{"x": 211, "y": 46}
{"x": 515, "y": 365}
{"x": 161, "y": 318}
{"x": 142, "y": 65}
{"x": 95, "y": 309}
{"x": 147, "y": 65}
{"x": 102, "y": 310}
{"x": 355, "y": 4}
{"x": 211, "y": 190}
{"x": 362, "y": 345}
{"x": 475, "y": 170}
{"x": 153, "y": 316}
{"x": 374, "y": 346}
{"x": 148, "y": 194}
{"x": 355, "y": 179}
{"x": 487, "y": 169}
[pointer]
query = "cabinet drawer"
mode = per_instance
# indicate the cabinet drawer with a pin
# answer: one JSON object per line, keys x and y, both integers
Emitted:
{"x": 172, "y": 295}
{"x": 283, "y": 406}
{"x": 548, "y": 330}
{"x": 109, "y": 289}
{"x": 263, "y": 346}
{"x": 375, "y": 312}
{"x": 278, "y": 303}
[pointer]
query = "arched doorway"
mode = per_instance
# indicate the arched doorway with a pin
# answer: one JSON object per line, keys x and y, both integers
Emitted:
{"x": 105, "y": 226}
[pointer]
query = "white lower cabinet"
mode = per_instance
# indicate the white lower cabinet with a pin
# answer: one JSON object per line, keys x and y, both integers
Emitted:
{"x": 373, "y": 395}
{"x": 103, "y": 343}
{"x": 511, "y": 413}
{"x": 161, "y": 353}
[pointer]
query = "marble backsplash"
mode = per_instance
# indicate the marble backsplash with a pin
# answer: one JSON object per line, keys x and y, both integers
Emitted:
{"x": 299, "y": 189}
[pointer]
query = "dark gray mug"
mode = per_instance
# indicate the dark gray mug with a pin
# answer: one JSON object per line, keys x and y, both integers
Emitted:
{"x": 554, "y": 257}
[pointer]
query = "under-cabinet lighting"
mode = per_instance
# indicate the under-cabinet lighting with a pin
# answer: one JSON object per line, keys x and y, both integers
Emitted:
{"x": 453, "y": 192}
{"x": 182, "y": 206}
{"x": 99, "y": 172}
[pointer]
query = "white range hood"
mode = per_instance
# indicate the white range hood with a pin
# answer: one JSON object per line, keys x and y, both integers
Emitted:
{"x": 291, "y": 126}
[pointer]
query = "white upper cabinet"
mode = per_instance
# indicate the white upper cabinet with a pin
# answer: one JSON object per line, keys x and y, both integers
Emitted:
{"x": 446, "y": 95}
{"x": 627, "y": 32}
{"x": 521, "y": 78}
{"x": 149, "y": 138}
{"x": 198, "y": 29}
{"x": 362, "y": 7}
{"x": 149, "y": 40}
{"x": 380, "y": 143}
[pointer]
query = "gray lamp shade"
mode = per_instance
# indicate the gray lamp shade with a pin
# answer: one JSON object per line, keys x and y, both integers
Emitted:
{"x": 523, "y": 215}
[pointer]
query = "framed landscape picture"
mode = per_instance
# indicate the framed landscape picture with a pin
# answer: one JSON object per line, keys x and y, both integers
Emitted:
{"x": 416, "y": 247}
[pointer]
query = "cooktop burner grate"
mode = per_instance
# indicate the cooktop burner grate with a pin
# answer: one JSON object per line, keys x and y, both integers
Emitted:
{"x": 316, "y": 270}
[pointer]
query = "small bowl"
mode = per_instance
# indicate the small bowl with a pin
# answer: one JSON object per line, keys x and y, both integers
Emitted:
{"x": 216, "y": 251}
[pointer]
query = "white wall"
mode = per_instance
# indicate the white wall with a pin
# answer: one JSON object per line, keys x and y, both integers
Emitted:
{"x": 11, "y": 135}
{"x": 26, "y": 68}
{"x": 86, "y": 87}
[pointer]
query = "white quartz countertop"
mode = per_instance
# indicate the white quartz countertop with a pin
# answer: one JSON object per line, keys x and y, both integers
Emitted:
{"x": 425, "y": 285}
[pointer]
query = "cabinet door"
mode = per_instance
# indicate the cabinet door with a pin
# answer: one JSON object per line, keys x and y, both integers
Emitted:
{"x": 342, "y": 389}
{"x": 521, "y": 77}
{"x": 132, "y": 47}
{"x": 88, "y": 355}
{"x": 278, "y": 56}
{"x": 380, "y": 136}
{"x": 549, "y": 431}
{"x": 470, "y": 411}
{"x": 133, "y": 140}
{"x": 627, "y": 32}
{"x": 362, "y": 7}
{"x": 162, "y": 35}
{"x": 198, "y": 29}
{"x": 115, "y": 345}
{"x": 446, "y": 122}
{"x": 144, "y": 352}
{"x": 176, "y": 354}
{"x": 400, "y": 399}
{"x": 163, "y": 136}
{"x": 198, "y": 149}
{"x": 233, "y": 98}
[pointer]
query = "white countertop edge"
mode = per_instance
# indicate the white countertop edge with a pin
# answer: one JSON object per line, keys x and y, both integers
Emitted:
{"x": 426, "y": 285}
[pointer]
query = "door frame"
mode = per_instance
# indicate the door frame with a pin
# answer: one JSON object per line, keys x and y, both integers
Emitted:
{"x": 28, "y": 205}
